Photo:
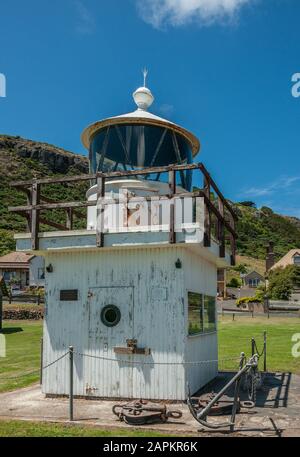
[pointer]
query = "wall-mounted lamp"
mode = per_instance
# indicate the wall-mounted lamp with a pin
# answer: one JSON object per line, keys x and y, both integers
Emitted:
{"x": 49, "y": 268}
{"x": 178, "y": 264}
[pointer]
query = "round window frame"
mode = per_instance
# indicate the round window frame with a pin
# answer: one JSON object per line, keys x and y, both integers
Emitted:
{"x": 104, "y": 311}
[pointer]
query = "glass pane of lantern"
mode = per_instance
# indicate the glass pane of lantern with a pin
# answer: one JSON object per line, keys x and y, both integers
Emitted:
{"x": 127, "y": 147}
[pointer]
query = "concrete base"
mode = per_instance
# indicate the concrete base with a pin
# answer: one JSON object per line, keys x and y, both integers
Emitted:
{"x": 277, "y": 412}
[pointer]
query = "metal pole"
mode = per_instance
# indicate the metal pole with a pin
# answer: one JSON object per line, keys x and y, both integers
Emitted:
{"x": 265, "y": 351}
{"x": 252, "y": 346}
{"x": 41, "y": 361}
{"x": 236, "y": 394}
{"x": 71, "y": 358}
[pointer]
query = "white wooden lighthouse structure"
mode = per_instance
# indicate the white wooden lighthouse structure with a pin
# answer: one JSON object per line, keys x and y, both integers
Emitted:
{"x": 135, "y": 291}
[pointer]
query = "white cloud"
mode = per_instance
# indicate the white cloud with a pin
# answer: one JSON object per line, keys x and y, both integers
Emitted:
{"x": 178, "y": 12}
{"x": 86, "y": 22}
{"x": 284, "y": 183}
{"x": 166, "y": 109}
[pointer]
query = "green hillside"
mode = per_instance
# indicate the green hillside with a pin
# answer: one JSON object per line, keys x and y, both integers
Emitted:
{"x": 256, "y": 227}
{"x": 25, "y": 160}
{"x": 22, "y": 159}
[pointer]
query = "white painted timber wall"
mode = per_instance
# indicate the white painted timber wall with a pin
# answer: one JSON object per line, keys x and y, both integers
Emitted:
{"x": 37, "y": 266}
{"x": 156, "y": 293}
{"x": 201, "y": 277}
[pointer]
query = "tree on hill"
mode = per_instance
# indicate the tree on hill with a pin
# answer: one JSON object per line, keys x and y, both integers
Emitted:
{"x": 241, "y": 268}
{"x": 282, "y": 281}
{"x": 250, "y": 204}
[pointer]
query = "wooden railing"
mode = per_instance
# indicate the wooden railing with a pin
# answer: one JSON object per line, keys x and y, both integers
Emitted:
{"x": 219, "y": 216}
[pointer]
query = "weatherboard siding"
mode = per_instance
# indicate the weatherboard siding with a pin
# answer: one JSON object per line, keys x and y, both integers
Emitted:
{"x": 201, "y": 277}
{"x": 157, "y": 291}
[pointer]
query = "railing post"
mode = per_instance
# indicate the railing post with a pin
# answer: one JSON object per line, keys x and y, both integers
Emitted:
{"x": 232, "y": 240}
{"x": 172, "y": 192}
{"x": 100, "y": 211}
{"x": 221, "y": 229}
{"x": 41, "y": 361}
{"x": 28, "y": 214}
{"x": 265, "y": 351}
{"x": 207, "y": 214}
{"x": 71, "y": 395}
{"x": 69, "y": 223}
{"x": 35, "y": 215}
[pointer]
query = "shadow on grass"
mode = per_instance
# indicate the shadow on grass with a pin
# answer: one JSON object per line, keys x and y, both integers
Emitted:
{"x": 9, "y": 330}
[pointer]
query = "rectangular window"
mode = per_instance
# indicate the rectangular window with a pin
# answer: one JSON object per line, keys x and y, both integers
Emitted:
{"x": 209, "y": 313}
{"x": 297, "y": 260}
{"x": 195, "y": 313}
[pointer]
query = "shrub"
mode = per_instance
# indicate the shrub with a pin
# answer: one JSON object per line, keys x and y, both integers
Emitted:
{"x": 234, "y": 282}
{"x": 23, "y": 312}
{"x": 245, "y": 300}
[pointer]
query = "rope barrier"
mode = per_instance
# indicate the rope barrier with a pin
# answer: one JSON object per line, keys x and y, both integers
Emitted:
{"x": 257, "y": 351}
{"x": 55, "y": 361}
{"x": 139, "y": 362}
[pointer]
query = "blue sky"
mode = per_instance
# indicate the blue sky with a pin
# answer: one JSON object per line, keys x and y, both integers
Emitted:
{"x": 221, "y": 68}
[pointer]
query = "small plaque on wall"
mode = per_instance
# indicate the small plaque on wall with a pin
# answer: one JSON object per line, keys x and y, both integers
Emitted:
{"x": 69, "y": 295}
{"x": 159, "y": 293}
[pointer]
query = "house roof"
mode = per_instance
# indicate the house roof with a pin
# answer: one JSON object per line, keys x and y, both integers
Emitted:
{"x": 253, "y": 274}
{"x": 16, "y": 260}
{"x": 286, "y": 259}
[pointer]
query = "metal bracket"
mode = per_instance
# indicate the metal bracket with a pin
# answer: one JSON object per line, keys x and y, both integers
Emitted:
{"x": 132, "y": 348}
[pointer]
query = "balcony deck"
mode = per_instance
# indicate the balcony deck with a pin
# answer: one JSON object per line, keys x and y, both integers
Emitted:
{"x": 210, "y": 234}
{"x": 86, "y": 240}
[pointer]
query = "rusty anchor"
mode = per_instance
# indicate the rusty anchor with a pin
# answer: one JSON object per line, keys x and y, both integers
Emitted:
{"x": 212, "y": 405}
{"x": 141, "y": 413}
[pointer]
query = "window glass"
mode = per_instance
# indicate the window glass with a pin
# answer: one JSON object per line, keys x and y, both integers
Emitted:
{"x": 41, "y": 273}
{"x": 195, "y": 313}
{"x": 209, "y": 313}
{"x": 297, "y": 260}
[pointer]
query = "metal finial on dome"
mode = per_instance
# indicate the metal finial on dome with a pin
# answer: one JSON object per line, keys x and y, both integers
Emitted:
{"x": 143, "y": 96}
{"x": 145, "y": 74}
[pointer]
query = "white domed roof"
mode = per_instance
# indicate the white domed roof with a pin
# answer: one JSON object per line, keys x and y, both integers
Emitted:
{"x": 143, "y": 98}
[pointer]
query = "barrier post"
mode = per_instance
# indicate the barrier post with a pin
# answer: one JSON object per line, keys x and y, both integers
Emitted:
{"x": 71, "y": 358}
{"x": 252, "y": 346}
{"x": 265, "y": 351}
{"x": 1, "y": 310}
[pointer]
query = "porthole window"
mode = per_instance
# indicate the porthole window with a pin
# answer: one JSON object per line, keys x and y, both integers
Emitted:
{"x": 110, "y": 315}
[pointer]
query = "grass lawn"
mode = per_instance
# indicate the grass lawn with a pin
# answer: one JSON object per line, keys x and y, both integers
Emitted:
{"x": 23, "y": 346}
{"x": 43, "y": 429}
{"x": 22, "y": 354}
{"x": 235, "y": 337}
